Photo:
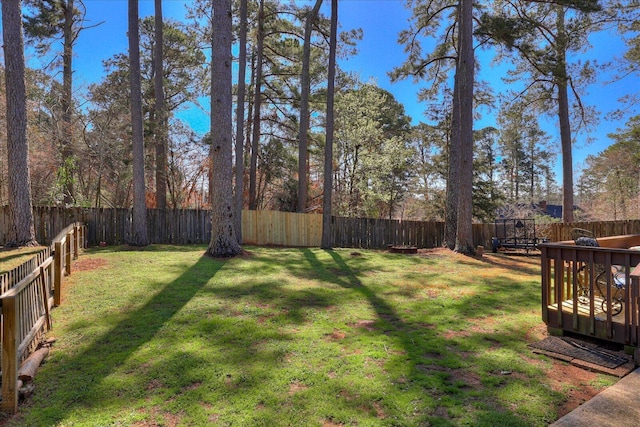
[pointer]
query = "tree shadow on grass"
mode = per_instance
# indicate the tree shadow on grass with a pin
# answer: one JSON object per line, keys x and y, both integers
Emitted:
{"x": 95, "y": 374}
{"x": 251, "y": 353}
{"x": 79, "y": 377}
{"x": 431, "y": 371}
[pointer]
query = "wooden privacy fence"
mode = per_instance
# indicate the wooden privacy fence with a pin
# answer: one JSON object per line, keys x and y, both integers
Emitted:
{"x": 184, "y": 226}
{"x": 28, "y": 294}
{"x": 281, "y": 228}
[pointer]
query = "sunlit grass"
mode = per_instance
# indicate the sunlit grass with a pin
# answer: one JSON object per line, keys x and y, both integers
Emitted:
{"x": 293, "y": 337}
{"x": 11, "y": 258}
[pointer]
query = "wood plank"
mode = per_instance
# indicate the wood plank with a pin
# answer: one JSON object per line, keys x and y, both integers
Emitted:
{"x": 9, "y": 355}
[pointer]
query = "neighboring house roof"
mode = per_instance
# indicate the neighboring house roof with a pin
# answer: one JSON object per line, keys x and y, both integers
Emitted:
{"x": 554, "y": 211}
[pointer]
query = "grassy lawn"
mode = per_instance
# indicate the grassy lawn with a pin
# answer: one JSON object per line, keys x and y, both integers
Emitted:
{"x": 11, "y": 258}
{"x": 297, "y": 337}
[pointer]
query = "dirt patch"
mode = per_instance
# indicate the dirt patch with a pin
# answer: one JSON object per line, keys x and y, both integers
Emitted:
{"x": 88, "y": 264}
{"x": 576, "y": 380}
{"x": 160, "y": 417}
{"x": 337, "y": 335}
{"x": 465, "y": 377}
{"x": 369, "y": 325}
{"x": 296, "y": 387}
{"x": 379, "y": 410}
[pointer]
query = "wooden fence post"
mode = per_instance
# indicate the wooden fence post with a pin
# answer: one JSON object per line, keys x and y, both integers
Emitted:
{"x": 67, "y": 253}
{"x": 82, "y": 235}
{"x": 57, "y": 273}
{"x": 45, "y": 292}
{"x": 9, "y": 355}
{"x": 76, "y": 246}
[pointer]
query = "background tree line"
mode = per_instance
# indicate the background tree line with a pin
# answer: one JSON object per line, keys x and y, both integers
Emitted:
{"x": 382, "y": 165}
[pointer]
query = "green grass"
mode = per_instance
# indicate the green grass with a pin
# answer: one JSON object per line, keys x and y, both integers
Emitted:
{"x": 294, "y": 337}
{"x": 11, "y": 258}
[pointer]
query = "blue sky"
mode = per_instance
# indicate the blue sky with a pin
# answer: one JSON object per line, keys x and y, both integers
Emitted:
{"x": 381, "y": 20}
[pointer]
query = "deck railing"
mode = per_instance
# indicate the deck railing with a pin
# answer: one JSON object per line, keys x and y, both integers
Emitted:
{"x": 593, "y": 291}
{"x": 28, "y": 294}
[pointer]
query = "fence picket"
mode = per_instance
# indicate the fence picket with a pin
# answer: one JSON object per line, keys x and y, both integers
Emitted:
{"x": 181, "y": 226}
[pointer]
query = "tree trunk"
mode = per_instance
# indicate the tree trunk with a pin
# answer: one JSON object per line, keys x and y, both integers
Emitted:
{"x": 139, "y": 220}
{"x": 465, "y": 73}
{"x": 327, "y": 241}
{"x": 451, "y": 208}
{"x": 29, "y": 367}
{"x": 223, "y": 237}
{"x": 68, "y": 163}
{"x": 242, "y": 69}
{"x": 305, "y": 81}
{"x": 255, "y": 140}
{"x": 565, "y": 124}
{"x": 21, "y": 229}
{"x": 160, "y": 125}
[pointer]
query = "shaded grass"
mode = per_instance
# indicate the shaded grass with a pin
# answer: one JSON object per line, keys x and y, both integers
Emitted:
{"x": 11, "y": 258}
{"x": 166, "y": 336}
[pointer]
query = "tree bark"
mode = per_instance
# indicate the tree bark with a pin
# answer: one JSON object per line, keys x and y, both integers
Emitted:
{"x": 327, "y": 241}
{"x": 242, "y": 69}
{"x": 305, "y": 81}
{"x": 223, "y": 238}
{"x": 465, "y": 73}
{"x": 160, "y": 125}
{"x": 451, "y": 207}
{"x": 30, "y": 366}
{"x": 139, "y": 235}
{"x": 255, "y": 140}
{"x": 68, "y": 163}
{"x": 564, "y": 120}
{"x": 21, "y": 230}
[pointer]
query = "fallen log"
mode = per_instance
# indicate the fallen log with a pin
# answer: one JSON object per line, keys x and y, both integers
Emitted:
{"x": 29, "y": 367}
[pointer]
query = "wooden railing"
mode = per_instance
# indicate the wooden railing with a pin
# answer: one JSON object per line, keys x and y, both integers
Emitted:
{"x": 593, "y": 291}
{"x": 28, "y": 294}
{"x": 635, "y": 289}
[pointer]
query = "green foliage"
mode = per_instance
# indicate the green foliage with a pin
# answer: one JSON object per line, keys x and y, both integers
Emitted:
{"x": 526, "y": 156}
{"x": 65, "y": 177}
{"x": 286, "y": 337}
{"x": 487, "y": 195}
{"x": 610, "y": 183}
{"x": 372, "y": 151}
{"x": 45, "y": 19}
{"x": 185, "y": 74}
{"x": 542, "y": 35}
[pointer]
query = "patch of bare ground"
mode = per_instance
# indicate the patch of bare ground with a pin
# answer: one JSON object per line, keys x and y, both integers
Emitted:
{"x": 365, "y": 324}
{"x": 379, "y": 410}
{"x": 467, "y": 378}
{"x": 296, "y": 387}
{"x": 158, "y": 417}
{"x": 436, "y": 252}
{"x": 89, "y": 264}
{"x": 336, "y": 335}
{"x": 575, "y": 381}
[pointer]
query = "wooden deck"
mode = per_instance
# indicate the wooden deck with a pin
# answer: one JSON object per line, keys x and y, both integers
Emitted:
{"x": 567, "y": 268}
{"x": 585, "y": 310}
